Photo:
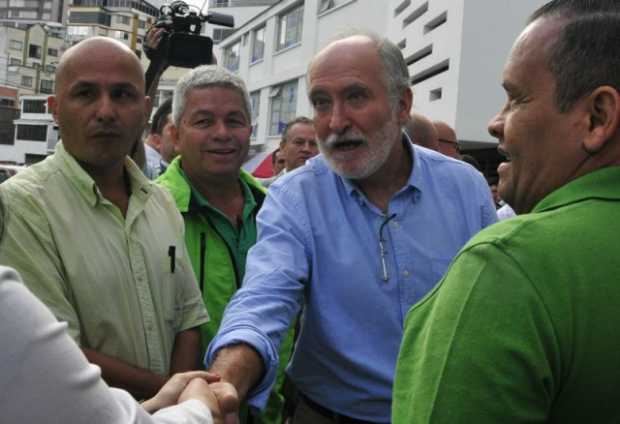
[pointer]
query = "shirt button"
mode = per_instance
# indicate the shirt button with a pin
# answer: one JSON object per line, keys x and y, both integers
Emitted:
{"x": 406, "y": 273}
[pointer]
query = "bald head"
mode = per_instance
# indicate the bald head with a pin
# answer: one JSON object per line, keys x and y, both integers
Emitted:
{"x": 103, "y": 47}
{"x": 99, "y": 103}
{"x": 448, "y": 143}
{"x": 422, "y": 131}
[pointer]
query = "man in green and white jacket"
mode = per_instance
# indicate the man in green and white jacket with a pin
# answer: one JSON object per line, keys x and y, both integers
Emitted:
{"x": 218, "y": 200}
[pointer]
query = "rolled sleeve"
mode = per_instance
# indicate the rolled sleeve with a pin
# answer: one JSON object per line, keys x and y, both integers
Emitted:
{"x": 277, "y": 270}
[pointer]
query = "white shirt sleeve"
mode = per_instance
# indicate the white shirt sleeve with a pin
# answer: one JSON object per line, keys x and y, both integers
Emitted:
{"x": 46, "y": 379}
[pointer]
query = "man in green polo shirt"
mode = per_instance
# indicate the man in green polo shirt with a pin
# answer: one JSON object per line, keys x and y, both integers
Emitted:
{"x": 218, "y": 200}
{"x": 524, "y": 326}
{"x": 96, "y": 241}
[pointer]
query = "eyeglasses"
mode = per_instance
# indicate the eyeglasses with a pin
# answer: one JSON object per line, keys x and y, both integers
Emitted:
{"x": 453, "y": 143}
{"x": 382, "y": 250}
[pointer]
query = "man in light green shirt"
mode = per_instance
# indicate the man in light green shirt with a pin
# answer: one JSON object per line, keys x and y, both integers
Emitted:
{"x": 97, "y": 242}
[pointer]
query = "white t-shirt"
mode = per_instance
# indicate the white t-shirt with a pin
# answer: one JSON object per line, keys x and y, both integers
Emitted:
{"x": 45, "y": 378}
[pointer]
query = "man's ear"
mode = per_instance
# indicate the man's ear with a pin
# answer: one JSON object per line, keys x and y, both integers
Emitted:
{"x": 52, "y": 106}
{"x": 174, "y": 137}
{"x": 604, "y": 116}
{"x": 148, "y": 107}
{"x": 404, "y": 105}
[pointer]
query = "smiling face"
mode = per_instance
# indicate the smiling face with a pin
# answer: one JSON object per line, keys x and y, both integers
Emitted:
{"x": 213, "y": 136}
{"x": 357, "y": 125}
{"x": 99, "y": 104}
{"x": 543, "y": 145}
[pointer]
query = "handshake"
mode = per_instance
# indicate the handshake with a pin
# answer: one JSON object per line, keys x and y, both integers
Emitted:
{"x": 220, "y": 397}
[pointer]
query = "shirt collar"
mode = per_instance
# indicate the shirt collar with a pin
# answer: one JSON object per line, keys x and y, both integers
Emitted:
{"x": 140, "y": 185}
{"x": 249, "y": 202}
{"x": 600, "y": 184}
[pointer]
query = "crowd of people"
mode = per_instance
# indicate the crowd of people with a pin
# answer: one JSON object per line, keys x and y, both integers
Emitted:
{"x": 370, "y": 283}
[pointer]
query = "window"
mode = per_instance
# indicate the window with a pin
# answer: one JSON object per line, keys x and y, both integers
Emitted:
{"x": 401, "y": 7}
{"x": 27, "y": 14}
{"x": 289, "y": 28}
{"x": 220, "y": 33}
{"x": 32, "y": 132}
{"x": 16, "y": 45}
{"x": 231, "y": 57}
{"x": 141, "y": 24}
{"x": 90, "y": 18}
{"x": 50, "y": 69}
{"x": 34, "y": 51}
{"x": 436, "y": 22}
{"x": 79, "y": 31}
{"x": 255, "y": 105}
{"x": 52, "y": 52}
{"x": 415, "y": 14}
{"x": 47, "y": 86}
{"x": 123, "y": 20}
{"x": 15, "y": 61}
{"x": 435, "y": 94}
{"x": 26, "y": 81}
{"x": 219, "y": 3}
{"x": 283, "y": 106}
{"x": 33, "y": 106}
{"x": 325, "y": 5}
{"x": 258, "y": 44}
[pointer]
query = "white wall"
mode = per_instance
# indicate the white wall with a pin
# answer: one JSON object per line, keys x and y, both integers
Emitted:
{"x": 489, "y": 30}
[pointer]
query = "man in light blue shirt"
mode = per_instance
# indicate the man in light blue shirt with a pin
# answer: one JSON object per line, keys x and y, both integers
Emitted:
{"x": 356, "y": 236}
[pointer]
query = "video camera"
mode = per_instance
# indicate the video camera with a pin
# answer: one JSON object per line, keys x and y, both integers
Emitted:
{"x": 182, "y": 45}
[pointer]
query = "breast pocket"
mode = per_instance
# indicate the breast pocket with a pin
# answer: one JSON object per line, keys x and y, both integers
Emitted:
{"x": 169, "y": 292}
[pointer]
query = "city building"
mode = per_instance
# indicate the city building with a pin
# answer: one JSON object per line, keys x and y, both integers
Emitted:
{"x": 32, "y": 11}
{"x": 29, "y": 55}
{"x": 35, "y": 133}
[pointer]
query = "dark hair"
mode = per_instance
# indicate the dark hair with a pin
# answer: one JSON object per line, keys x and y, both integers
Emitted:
{"x": 586, "y": 54}
{"x": 289, "y": 124}
{"x": 273, "y": 156}
{"x": 159, "y": 118}
{"x": 472, "y": 161}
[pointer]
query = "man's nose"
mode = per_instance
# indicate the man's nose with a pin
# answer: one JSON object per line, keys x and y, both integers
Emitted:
{"x": 220, "y": 130}
{"x": 106, "y": 109}
{"x": 496, "y": 126}
{"x": 339, "y": 120}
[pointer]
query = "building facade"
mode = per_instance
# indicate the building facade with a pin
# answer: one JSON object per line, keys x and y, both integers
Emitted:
{"x": 29, "y": 56}
{"x": 32, "y": 11}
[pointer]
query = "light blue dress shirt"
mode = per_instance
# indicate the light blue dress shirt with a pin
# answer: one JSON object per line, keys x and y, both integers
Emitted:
{"x": 319, "y": 245}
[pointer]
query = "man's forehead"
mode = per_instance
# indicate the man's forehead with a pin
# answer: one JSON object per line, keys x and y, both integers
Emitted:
{"x": 206, "y": 96}
{"x": 348, "y": 59}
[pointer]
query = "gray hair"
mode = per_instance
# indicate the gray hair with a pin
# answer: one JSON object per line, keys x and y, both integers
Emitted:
{"x": 586, "y": 54}
{"x": 395, "y": 72}
{"x": 205, "y": 77}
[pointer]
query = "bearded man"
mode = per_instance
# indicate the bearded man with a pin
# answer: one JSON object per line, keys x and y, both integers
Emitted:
{"x": 356, "y": 237}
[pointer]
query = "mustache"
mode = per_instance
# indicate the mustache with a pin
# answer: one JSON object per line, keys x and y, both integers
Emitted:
{"x": 350, "y": 135}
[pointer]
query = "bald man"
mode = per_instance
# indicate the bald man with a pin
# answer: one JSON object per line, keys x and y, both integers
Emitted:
{"x": 422, "y": 132}
{"x": 448, "y": 143}
{"x": 81, "y": 228}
